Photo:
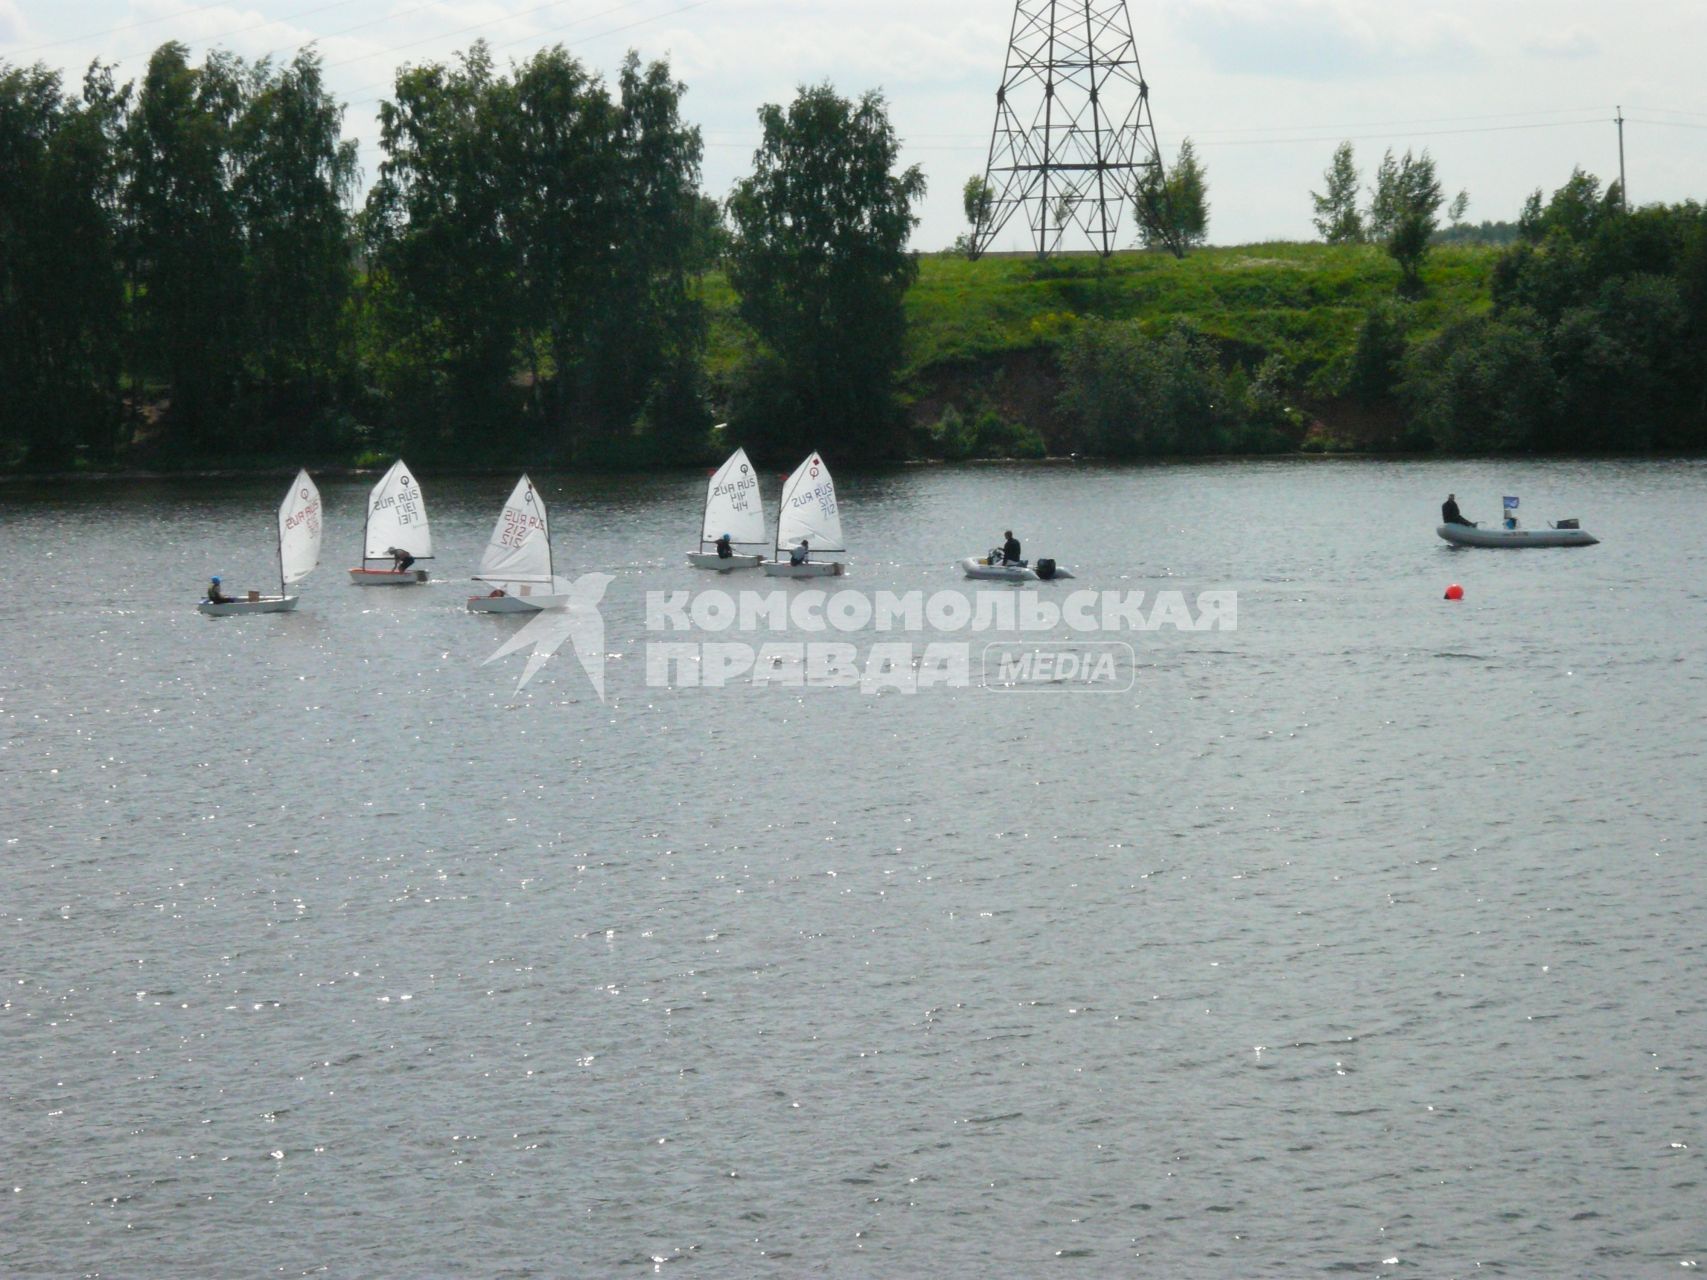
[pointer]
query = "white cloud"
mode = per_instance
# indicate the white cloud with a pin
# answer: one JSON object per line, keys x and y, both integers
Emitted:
{"x": 1566, "y": 42}
{"x": 1265, "y": 86}
{"x": 12, "y": 29}
{"x": 1326, "y": 39}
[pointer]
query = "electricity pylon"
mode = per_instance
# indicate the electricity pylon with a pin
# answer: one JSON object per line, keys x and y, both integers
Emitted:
{"x": 1073, "y": 140}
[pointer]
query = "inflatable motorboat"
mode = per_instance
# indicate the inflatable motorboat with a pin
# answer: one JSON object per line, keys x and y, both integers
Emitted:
{"x": 1564, "y": 534}
{"x": 992, "y": 568}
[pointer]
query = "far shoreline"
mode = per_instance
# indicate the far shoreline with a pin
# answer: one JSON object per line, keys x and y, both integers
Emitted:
{"x": 226, "y": 471}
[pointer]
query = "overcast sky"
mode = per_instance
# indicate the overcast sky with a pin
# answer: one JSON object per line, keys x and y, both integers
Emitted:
{"x": 1508, "y": 95}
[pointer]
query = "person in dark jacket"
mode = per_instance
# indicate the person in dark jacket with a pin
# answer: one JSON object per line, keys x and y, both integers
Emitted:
{"x": 725, "y": 549}
{"x": 214, "y": 594}
{"x": 1010, "y": 548}
{"x": 1450, "y": 514}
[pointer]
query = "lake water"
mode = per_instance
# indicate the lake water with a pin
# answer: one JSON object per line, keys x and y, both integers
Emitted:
{"x": 1367, "y": 938}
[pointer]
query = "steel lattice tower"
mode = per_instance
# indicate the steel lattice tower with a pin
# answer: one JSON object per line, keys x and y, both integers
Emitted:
{"x": 1073, "y": 136}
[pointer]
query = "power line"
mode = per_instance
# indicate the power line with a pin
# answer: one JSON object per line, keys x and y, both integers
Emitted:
{"x": 1279, "y": 142}
{"x": 1336, "y": 130}
{"x": 1665, "y": 124}
{"x": 1388, "y": 137}
{"x": 1384, "y": 124}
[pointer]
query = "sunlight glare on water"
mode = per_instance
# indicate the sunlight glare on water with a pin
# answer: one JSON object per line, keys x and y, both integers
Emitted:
{"x": 1366, "y": 936}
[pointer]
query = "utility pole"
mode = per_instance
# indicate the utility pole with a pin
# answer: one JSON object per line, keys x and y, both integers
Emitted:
{"x": 1073, "y": 140}
{"x": 1623, "y": 190}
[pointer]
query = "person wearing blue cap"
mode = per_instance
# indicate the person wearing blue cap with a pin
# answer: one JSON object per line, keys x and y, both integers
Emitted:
{"x": 725, "y": 548}
{"x": 214, "y": 594}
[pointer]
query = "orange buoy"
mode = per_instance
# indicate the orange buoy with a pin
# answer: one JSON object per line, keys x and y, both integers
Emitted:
{"x": 1455, "y": 592}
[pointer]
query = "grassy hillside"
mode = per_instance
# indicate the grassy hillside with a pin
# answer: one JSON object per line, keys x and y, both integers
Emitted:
{"x": 1303, "y": 302}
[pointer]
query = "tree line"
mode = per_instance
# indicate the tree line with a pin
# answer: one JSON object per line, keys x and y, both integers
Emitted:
{"x": 1594, "y": 340}
{"x": 186, "y": 275}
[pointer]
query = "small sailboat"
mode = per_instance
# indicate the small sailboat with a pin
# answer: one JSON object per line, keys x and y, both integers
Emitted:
{"x": 735, "y": 510}
{"x": 809, "y": 514}
{"x": 517, "y": 561}
{"x": 299, "y": 551}
{"x": 396, "y": 521}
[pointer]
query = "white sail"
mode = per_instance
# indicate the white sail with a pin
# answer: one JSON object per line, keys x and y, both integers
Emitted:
{"x": 519, "y": 550}
{"x": 733, "y": 505}
{"x": 299, "y": 530}
{"x": 809, "y": 510}
{"x": 397, "y": 517}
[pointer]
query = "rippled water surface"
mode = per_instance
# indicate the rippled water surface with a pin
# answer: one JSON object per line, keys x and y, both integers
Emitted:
{"x": 1364, "y": 939}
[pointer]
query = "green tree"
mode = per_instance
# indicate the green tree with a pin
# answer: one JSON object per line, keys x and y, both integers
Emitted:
{"x": 650, "y": 340}
{"x": 61, "y": 291}
{"x": 530, "y": 229}
{"x": 978, "y": 199}
{"x": 1487, "y": 383}
{"x": 1127, "y": 394}
{"x": 294, "y": 178}
{"x": 444, "y": 274}
{"x": 1173, "y": 208}
{"x": 556, "y": 169}
{"x": 186, "y": 245}
{"x": 1338, "y": 219}
{"x": 1384, "y": 199}
{"x": 1377, "y": 359}
{"x": 1404, "y": 213}
{"x": 820, "y": 265}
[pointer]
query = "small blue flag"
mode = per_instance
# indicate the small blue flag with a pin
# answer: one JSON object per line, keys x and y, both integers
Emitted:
{"x": 1511, "y": 504}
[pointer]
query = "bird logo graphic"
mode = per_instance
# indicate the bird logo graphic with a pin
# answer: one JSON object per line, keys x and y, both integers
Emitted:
{"x": 572, "y": 616}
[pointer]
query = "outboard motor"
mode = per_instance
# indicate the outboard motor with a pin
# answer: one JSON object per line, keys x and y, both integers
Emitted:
{"x": 1046, "y": 569}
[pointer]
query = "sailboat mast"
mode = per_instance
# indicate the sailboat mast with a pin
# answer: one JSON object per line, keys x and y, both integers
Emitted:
{"x": 550, "y": 555}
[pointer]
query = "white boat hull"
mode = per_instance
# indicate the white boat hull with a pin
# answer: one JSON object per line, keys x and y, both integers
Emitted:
{"x": 719, "y": 564}
{"x": 1461, "y": 535}
{"x": 235, "y": 608}
{"x": 513, "y": 604}
{"x": 388, "y": 577}
{"x": 811, "y": 569}
{"x": 977, "y": 567}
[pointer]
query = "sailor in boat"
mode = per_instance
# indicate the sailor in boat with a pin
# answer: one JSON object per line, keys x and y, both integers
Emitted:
{"x": 725, "y": 548}
{"x": 1450, "y": 514}
{"x": 214, "y": 594}
{"x": 799, "y": 554}
{"x": 400, "y": 559}
{"x": 1010, "y": 548}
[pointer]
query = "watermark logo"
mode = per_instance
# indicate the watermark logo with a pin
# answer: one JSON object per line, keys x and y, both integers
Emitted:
{"x": 571, "y": 614}
{"x": 1098, "y": 666}
{"x": 715, "y": 638}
